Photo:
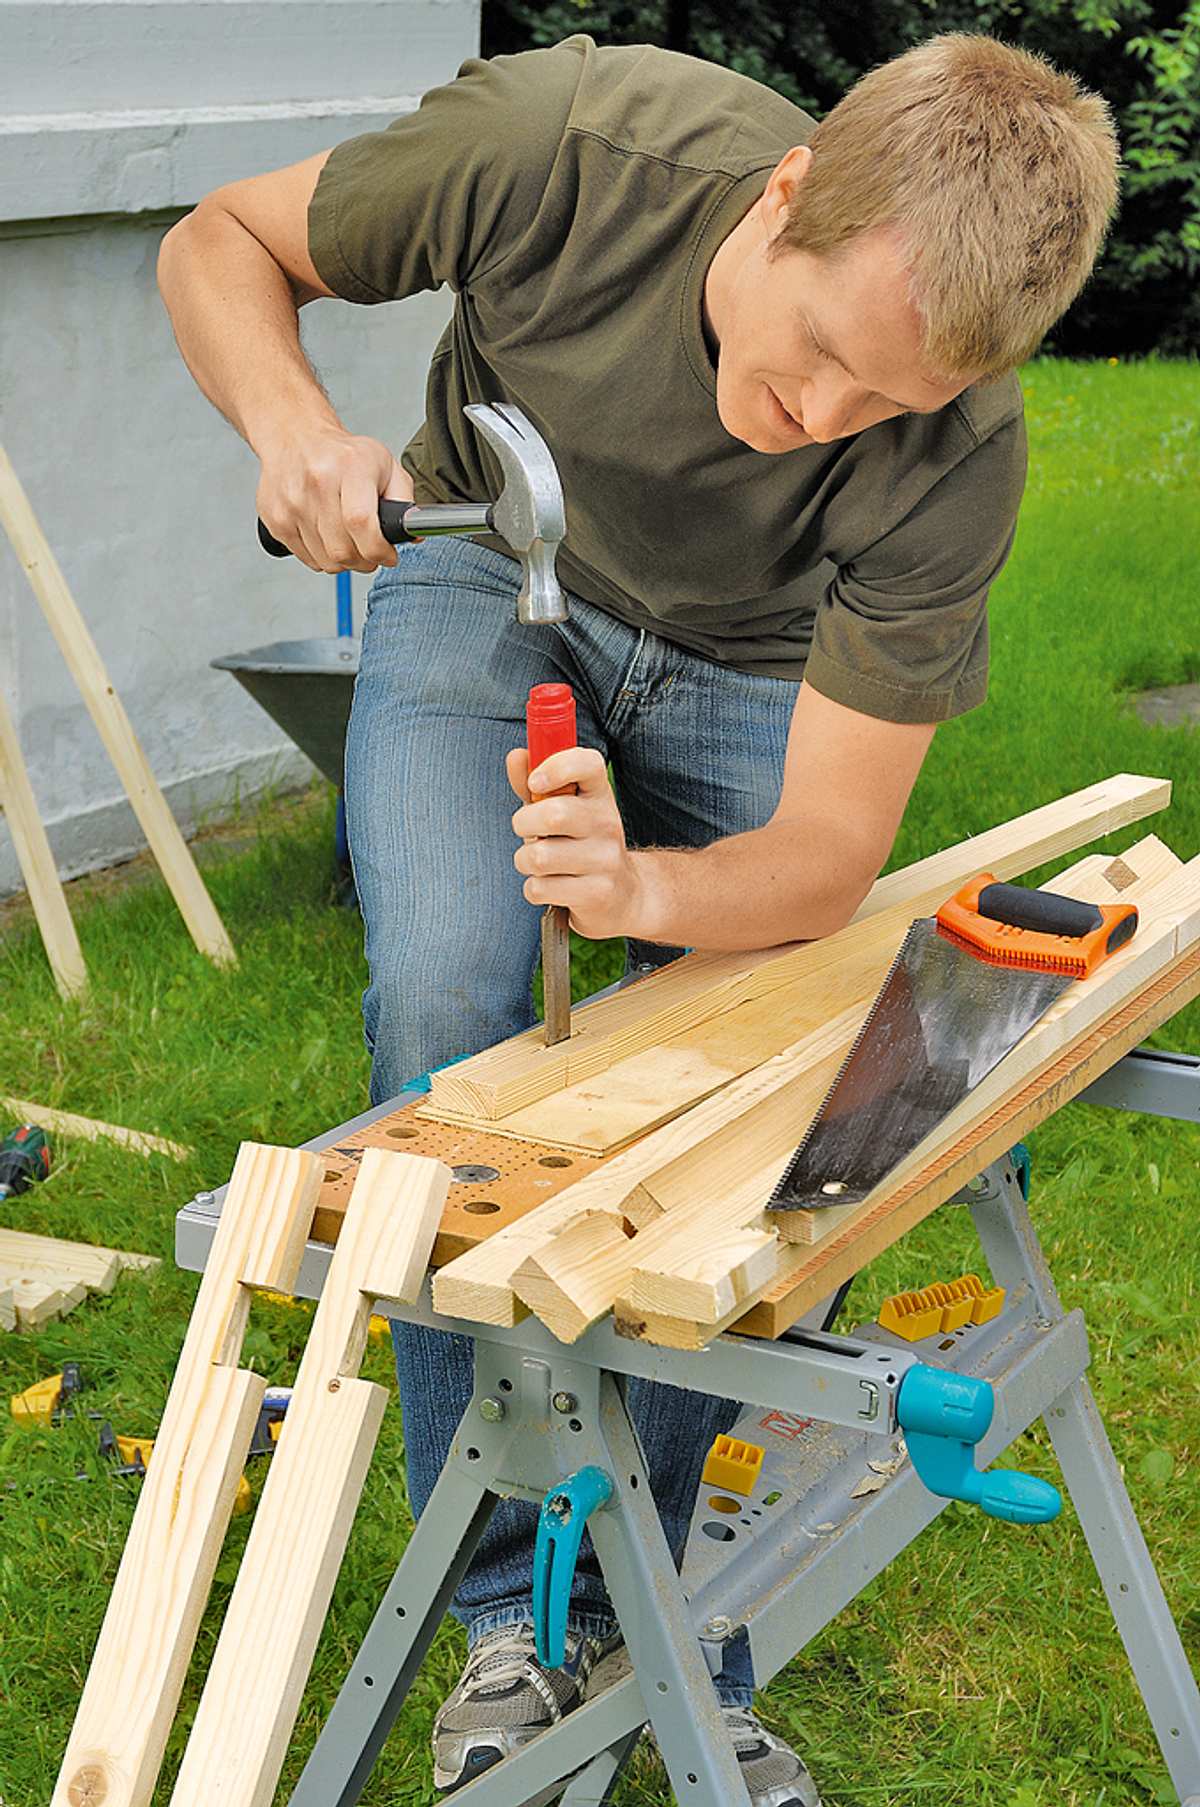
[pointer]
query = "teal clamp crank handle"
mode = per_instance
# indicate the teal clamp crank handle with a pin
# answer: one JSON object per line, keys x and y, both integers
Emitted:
{"x": 400, "y": 521}
{"x": 943, "y": 1417}
{"x": 561, "y": 1523}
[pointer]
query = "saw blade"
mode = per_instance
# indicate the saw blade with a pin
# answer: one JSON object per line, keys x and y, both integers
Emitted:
{"x": 942, "y": 1020}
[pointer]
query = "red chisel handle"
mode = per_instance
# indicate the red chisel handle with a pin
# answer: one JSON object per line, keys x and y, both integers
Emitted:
{"x": 550, "y": 726}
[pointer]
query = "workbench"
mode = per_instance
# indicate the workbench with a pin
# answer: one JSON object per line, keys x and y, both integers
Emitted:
{"x": 779, "y": 1562}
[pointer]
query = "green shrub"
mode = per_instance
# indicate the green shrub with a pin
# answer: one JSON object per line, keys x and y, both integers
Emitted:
{"x": 1144, "y": 57}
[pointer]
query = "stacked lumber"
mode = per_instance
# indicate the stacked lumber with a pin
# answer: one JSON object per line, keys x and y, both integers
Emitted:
{"x": 672, "y": 1233}
{"x": 646, "y": 1054}
{"x": 248, "y": 1706}
{"x": 42, "y": 1277}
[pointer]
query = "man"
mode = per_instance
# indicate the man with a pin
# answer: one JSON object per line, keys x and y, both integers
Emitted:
{"x": 774, "y": 364}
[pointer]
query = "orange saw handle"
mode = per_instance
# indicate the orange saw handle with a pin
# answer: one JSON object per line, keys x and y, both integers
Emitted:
{"x": 1009, "y": 925}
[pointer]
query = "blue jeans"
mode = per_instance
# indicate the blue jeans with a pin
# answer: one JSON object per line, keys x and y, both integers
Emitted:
{"x": 697, "y": 752}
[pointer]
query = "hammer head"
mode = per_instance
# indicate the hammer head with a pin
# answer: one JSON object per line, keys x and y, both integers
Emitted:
{"x": 529, "y": 511}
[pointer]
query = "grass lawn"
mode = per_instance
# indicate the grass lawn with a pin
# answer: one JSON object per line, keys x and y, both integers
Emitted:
{"x": 983, "y": 1667}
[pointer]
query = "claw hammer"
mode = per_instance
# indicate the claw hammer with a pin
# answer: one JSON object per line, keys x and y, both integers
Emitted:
{"x": 528, "y": 512}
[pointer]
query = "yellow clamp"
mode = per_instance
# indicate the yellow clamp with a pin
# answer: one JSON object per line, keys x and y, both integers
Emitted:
{"x": 140, "y": 1449}
{"x": 940, "y": 1308}
{"x": 733, "y": 1466}
{"x": 38, "y": 1403}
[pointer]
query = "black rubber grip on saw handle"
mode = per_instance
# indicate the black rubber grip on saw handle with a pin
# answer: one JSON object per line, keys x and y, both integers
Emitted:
{"x": 391, "y": 525}
{"x": 1049, "y": 913}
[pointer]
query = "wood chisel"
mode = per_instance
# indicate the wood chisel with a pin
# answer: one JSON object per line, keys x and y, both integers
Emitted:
{"x": 963, "y": 990}
{"x": 550, "y": 728}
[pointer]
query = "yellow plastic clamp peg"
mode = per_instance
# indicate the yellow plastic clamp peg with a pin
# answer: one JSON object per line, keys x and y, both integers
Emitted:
{"x": 38, "y": 1403}
{"x": 733, "y": 1466}
{"x": 941, "y": 1308}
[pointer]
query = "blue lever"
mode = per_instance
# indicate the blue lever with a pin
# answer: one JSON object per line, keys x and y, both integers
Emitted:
{"x": 943, "y": 1417}
{"x": 565, "y": 1512}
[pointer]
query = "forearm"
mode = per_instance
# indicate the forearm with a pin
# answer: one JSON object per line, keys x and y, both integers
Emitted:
{"x": 236, "y": 322}
{"x": 792, "y": 880}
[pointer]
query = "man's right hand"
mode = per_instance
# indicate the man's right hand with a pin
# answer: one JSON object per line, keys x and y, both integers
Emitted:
{"x": 320, "y": 495}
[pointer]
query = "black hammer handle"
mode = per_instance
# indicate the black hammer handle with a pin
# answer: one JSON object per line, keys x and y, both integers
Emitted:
{"x": 400, "y": 521}
{"x": 391, "y": 523}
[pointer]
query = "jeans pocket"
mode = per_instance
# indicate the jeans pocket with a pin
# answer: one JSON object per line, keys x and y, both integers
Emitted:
{"x": 391, "y": 577}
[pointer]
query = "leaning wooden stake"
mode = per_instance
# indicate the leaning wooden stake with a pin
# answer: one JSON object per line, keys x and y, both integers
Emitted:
{"x": 107, "y": 711}
{"x": 37, "y": 864}
{"x": 141, "y": 1657}
{"x": 250, "y": 1700}
{"x": 89, "y": 1129}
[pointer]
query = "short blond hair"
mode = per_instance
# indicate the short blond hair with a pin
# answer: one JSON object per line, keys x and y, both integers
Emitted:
{"x": 998, "y": 172}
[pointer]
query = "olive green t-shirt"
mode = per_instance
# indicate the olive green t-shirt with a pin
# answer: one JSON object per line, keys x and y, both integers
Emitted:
{"x": 573, "y": 199}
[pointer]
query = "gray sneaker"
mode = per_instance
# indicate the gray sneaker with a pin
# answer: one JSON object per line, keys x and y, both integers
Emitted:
{"x": 504, "y": 1698}
{"x": 774, "y": 1774}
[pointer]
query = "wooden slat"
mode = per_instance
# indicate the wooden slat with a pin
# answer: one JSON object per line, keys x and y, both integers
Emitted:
{"x": 66, "y": 1123}
{"x": 651, "y": 1289}
{"x": 40, "y": 1297}
{"x": 8, "y": 1308}
{"x": 23, "y": 1253}
{"x": 132, "y": 1689}
{"x": 479, "y": 1285}
{"x": 698, "y": 1167}
{"x": 975, "y": 1134}
{"x": 36, "y": 861}
{"x": 1170, "y": 924}
{"x": 512, "y": 1075}
{"x": 248, "y": 1708}
{"x": 113, "y": 725}
{"x": 810, "y": 1274}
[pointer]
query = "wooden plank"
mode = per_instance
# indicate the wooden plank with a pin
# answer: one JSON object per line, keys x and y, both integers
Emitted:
{"x": 40, "y": 1297}
{"x": 113, "y": 725}
{"x": 572, "y": 1280}
{"x": 698, "y": 1166}
{"x": 479, "y": 1285}
{"x": 1170, "y": 923}
{"x": 66, "y": 1123}
{"x": 651, "y": 1288}
{"x": 808, "y": 1275}
{"x": 21, "y": 1252}
{"x": 8, "y": 1308}
{"x": 36, "y": 861}
{"x": 248, "y": 1708}
{"x": 501, "y": 1080}
{"x": 974, "y": 1135}
{"x": 132, "y": 1689}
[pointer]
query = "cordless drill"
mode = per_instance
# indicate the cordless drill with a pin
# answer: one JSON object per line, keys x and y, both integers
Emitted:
{"x": 24, "y": 1157}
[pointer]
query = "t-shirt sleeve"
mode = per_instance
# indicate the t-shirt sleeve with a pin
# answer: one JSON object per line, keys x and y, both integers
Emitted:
{"x": 902, "y": 633}
{"x": 445, "y": 193}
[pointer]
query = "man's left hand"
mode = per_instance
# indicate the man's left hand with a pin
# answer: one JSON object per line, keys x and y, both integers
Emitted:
{"x": 573, "y": 849}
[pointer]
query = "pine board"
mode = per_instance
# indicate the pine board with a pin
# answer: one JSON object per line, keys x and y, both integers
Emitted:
{"x": 83, "y": 661}
{"x": 1171, "y": 921}
{"x": 137, "y": 1670}
{"x": 269, "y": 1635}
{"x": 811, "y": 1274}
{"x": 66, "y": 1123}
{"x": 692, "y": 1173}
{"x": 503, "y": 1080}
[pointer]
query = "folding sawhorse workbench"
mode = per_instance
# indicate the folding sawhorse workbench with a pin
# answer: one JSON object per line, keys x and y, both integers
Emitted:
{"x": 548, "y": 1423}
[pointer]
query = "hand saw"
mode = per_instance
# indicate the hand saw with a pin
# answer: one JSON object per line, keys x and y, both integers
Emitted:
{"x": 965, "y": 987}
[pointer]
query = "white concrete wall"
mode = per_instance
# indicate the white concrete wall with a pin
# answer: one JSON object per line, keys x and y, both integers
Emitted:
{"x": 128, "y": 112}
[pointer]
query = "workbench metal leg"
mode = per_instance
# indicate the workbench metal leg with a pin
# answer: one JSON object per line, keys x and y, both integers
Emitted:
{"x": 1098, "y": 1493}
{"x": 418, "y": 1597}
{"x": 594, "y": 1786}
{"x": 645, "y": 1589}
{"x": 1130, "y": 1581}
